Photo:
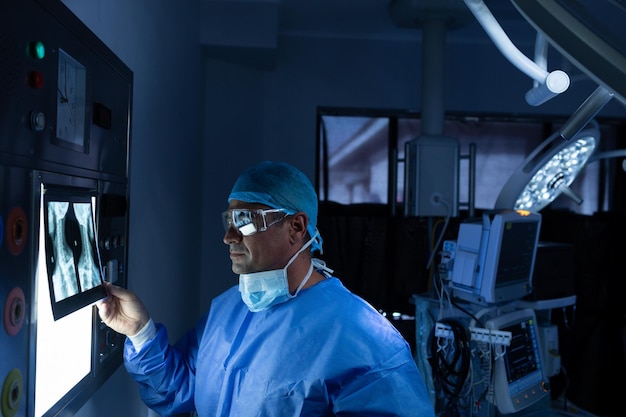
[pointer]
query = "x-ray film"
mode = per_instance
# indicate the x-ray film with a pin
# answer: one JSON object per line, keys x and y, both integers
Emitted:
{"x": 72, "y": 259}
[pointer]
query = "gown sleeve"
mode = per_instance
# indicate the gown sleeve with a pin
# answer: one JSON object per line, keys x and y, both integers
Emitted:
{"x": 394, "y": 389}
{"x": 166, "y": 373}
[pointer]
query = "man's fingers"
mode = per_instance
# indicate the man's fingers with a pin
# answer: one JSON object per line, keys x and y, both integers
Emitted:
{"x": 118, "y": 292}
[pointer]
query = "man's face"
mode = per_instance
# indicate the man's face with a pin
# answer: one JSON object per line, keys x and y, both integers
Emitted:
{"x": 263, "y": 250}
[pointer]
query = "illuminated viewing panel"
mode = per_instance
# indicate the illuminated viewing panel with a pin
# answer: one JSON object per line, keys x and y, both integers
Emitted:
{"x": 60, "y": 341}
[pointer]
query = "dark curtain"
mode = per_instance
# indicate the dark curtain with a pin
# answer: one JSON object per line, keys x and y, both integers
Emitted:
{"x": 592, "y": 345}
{"x": 377, "y": 256}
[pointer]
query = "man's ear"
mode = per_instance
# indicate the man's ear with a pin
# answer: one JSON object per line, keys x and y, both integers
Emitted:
{"x": 299, "y": 223}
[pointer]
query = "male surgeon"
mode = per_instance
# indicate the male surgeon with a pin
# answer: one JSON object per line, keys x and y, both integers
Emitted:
{"x": 288, "y": 340}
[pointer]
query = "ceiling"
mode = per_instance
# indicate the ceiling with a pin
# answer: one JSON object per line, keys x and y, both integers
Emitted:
{"x": 384, "y": 19}
{"x": 403, "y": 19}
{"x": 266, "y": 20}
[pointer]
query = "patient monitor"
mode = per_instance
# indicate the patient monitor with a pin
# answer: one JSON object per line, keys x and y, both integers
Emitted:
{"x": 494, "y": 258}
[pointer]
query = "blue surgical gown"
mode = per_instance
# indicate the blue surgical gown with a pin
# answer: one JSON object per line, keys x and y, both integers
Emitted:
{"x": 324, "y": 353}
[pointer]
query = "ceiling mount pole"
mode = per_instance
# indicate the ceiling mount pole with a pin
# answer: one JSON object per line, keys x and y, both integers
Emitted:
{"x": 433, "y": 75}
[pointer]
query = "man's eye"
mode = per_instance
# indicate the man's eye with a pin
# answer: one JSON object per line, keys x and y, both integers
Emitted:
{"x": 242, "y": 218}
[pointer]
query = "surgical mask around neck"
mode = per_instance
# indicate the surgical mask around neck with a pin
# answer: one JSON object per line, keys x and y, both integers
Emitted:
{"x": 261, "y": 290}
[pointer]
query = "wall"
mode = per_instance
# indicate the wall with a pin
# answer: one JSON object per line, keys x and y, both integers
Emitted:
{"x": 159, "y": 41}
{"x": 313, "y": 72}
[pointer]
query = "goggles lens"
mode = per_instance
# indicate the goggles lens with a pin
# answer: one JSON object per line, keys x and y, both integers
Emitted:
{"x": 248, "y": 222}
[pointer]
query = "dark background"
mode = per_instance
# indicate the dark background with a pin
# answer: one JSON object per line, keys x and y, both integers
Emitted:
{"x": 383, "y": 259}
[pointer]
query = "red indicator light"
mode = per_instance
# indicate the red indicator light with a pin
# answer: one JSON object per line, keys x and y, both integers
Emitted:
{"x": 35, "y": 79}
{"x": 102, "y": 115}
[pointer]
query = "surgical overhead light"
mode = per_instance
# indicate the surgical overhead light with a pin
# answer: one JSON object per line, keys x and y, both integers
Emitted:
{"x": 549, "y": 171}
{"x": 546, "y": 85}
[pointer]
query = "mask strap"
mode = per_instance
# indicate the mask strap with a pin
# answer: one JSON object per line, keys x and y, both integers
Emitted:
{"x": 293, "y": 258}
{"x": 321, "y": 266}
{"x": 304, "y": 281}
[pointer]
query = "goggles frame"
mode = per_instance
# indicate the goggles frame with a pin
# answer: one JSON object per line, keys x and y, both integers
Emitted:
{"x": 250, "y": 221}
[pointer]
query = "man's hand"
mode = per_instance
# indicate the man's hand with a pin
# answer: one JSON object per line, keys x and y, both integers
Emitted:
{"x": 122, "y": 310}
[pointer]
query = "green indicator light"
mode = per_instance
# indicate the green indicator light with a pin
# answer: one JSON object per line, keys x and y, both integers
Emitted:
{"x": 36, "y": 49}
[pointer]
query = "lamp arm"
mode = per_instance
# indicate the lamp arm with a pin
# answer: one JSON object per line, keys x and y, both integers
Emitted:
{"x": 565, "y": 190}
{"x": 541, "y": 53}
{"x": 547, "y": 84}
{"x": 489, "y": 23}
{"x": 608, "y": 154}
{"x": 555, "y": 82}
{"x": 585, "y": 112}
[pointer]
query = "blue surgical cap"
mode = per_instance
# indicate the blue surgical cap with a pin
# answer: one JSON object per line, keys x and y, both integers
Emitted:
{"x": 279, "y": 185}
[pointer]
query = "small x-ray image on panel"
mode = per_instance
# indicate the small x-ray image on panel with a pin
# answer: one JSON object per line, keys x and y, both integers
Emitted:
{"x": 72, "y": 258}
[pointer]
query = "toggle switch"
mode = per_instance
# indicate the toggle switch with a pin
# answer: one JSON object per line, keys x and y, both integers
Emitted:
{"x": 37, "y": 121}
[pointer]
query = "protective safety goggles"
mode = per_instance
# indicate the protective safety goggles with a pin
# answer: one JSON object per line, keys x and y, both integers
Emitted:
{"x": 249, "y": 221}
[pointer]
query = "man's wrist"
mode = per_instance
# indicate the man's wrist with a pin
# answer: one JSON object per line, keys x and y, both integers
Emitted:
{"x": 146, "y": 333}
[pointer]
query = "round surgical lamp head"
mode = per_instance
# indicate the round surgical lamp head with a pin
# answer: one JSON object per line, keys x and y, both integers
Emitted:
{"x": 548, "y": 171}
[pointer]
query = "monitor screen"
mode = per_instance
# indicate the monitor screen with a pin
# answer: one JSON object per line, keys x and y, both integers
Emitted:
{"x": 517, "y": 249}
{"x": 522, "y": 358}
{"x": 72, "y": 259}
{"x": 519, "y": 378}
